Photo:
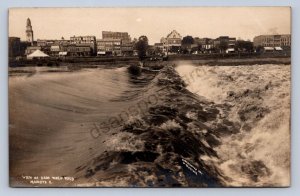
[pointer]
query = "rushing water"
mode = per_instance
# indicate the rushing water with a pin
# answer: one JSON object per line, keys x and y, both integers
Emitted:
{"x": 259, "y": 99}
{"x": 216, "y": 126}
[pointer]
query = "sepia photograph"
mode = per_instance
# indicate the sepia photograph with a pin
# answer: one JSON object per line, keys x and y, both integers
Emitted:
{"x": 149, "y": 97}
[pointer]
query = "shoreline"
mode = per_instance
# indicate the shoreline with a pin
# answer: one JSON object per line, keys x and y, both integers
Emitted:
{"x": 110, "y": 61}
{"x": 71, "y": 67}
{"x": 242, "y": 61}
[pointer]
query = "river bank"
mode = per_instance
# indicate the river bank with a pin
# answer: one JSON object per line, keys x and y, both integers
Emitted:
{"x": 69, "y": 67}
{"x": 111, "y": 61}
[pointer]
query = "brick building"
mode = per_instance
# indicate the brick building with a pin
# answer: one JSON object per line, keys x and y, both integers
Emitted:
{"x": 124, "y": 36}
{"x": 14, "y": 46}
{"x": 114, "y": 43}
{"x": 83, "y": 41}
{"x": 272, "y": 40}
{"x": 109, "y": 46}
{"x": 76, "y": 50}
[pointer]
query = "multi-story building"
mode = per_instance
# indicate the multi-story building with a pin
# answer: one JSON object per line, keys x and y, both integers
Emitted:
{"x": 114, "y": 43}
{"x": 225, "y": 44}
{"x": 124, "y": 36}
{"x": 14, "y": 46}
{"x": 54, "y": 50}
{"x": 172, "y": 43}
{"x": 127, "y": 49}
{"x": 85, "y": 40}
{"x": 230, "y": 41}
{"x": 173, "y": 39}
{"x": 76, "y": 50}
{"x": 44, "y": 42}
{"x": 109, "y": 46}
{"x": 50, "y": 47}
{"x": 272, "y": 40}
{"x": 207, "y": 44}
{"x": 49, "y": 43}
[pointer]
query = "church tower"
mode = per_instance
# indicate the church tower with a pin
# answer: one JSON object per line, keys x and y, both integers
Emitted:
{"x": 29, "y": 32}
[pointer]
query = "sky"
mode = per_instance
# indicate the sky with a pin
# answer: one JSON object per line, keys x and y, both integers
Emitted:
{"x": 240, "y": 22}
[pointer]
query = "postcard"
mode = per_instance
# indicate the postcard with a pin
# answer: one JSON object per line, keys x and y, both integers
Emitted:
{"x": 149, "y": 97}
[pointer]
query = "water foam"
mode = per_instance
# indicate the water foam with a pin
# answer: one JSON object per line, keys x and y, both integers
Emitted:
{"x": 259, "y": 155}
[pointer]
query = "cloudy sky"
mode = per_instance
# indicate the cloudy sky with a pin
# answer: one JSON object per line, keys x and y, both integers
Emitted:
{"x": 240, "y": 22}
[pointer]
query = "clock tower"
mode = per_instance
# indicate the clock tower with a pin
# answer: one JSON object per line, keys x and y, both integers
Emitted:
{"x": 29, "y": 32}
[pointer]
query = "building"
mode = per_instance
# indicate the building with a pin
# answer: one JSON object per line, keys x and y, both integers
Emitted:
{"x": 50, "y": 47}
{"x": 115, "y": 43}
{"x": 124, "y": 36}
{"x": 191, "y": 48}
{"x": 172, "y": 43}
{"x": 109, "y": 46}
{"x": 54, "y": 50}
{"x": 229, "y": 41}
{"x": 224, "y": 44}
{"x": 207, "y": 44}
{"x": 14, "y": 46}
{"x": 44, "y": 42}
{"x": 173, "y": 39}
{"x": 83, "y": 41}
{"x": 272, "y": 41}
{"x": 45, "y": 45}
{"x": 29, "y": 32}
{"x": 75, "y": 50}
{"x": 37, "y": 54}
{"x": 49, "y": 43}
{"x": 127, "y": 49}
{"x": 31, "y": 49}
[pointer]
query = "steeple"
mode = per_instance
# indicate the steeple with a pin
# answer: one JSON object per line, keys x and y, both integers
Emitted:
{"x": 28, "y": 22}
{"x": 29, "y": 32}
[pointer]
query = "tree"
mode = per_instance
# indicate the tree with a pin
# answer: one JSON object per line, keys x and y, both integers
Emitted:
{"x": 259, "y": 49}
{"x": 249, "y": 46}
{"x": 142, "y": 46}
{"x": 223, "y": 46}
{"x": 246, "y": 46}
{"x": 187, "y": 40}
{"x": 198, "y": 42}
{"x": 186, "y": 43}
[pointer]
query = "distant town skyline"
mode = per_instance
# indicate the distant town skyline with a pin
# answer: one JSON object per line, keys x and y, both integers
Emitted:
{"x": 155, "y": 23}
